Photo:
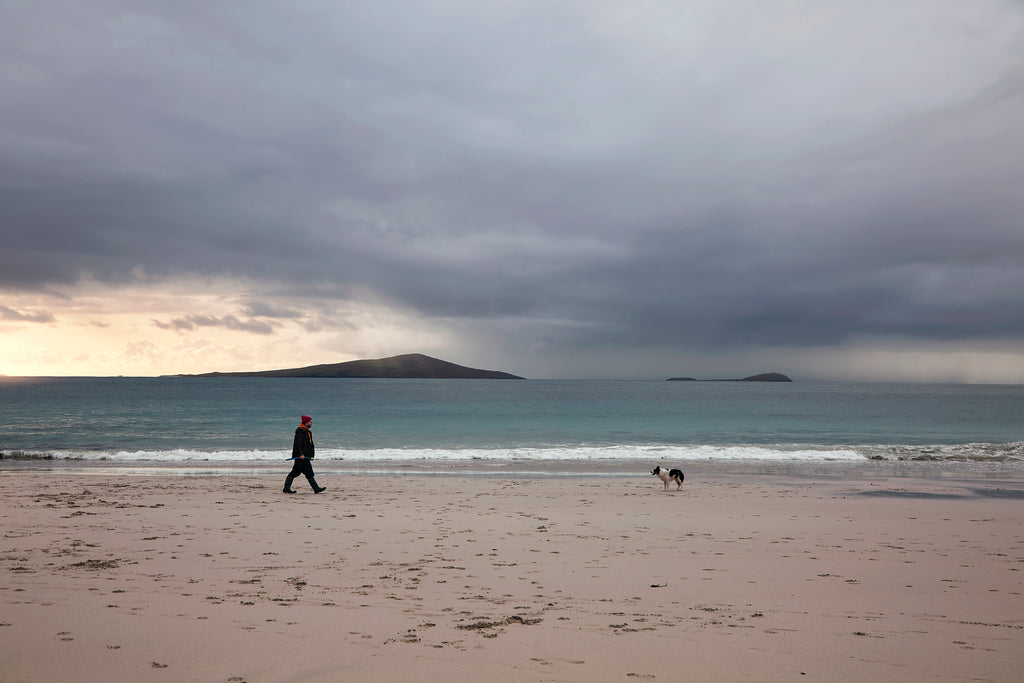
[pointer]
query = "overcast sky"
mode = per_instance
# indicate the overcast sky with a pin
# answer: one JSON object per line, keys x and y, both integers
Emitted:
{"x": 559, "y": 188}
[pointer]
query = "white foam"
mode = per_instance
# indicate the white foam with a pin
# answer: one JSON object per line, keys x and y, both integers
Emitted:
{"x": 656, "y": 453}
{"x": 569, "y": 453}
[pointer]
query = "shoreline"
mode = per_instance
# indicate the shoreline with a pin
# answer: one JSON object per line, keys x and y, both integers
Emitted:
{"x": 1011, "y": 472}
{"x": 739, "y": 576}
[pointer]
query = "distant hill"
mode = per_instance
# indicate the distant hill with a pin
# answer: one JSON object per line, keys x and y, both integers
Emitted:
{"x": 766, "y": 377}
{"x": 411, "y": 365}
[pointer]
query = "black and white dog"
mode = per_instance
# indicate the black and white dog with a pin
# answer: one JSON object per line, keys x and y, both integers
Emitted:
{"x": 669, "y": 475}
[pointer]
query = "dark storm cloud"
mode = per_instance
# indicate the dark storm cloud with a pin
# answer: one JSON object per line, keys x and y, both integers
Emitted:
{"x": 657, "y": 175}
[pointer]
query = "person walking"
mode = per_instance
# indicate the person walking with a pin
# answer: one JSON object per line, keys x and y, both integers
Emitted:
{"x": 303, "y": 453}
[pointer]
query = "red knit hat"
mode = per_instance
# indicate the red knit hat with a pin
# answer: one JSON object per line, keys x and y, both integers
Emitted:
{"x": 306, "y": 419}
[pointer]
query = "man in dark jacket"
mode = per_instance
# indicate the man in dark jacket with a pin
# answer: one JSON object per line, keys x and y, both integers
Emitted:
{"x": 303, "y": 452}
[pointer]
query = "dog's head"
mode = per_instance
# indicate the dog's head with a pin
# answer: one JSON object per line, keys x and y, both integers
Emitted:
{"x": 656, "y": 471}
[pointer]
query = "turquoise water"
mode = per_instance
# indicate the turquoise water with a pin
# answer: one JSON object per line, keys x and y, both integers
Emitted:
{"x": 183, "y": 419}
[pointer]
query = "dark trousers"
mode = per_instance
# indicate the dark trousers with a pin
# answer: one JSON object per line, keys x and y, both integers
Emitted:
{"x": 303, "y": 466}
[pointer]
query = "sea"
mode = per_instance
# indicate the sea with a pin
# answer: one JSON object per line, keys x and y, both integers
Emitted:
{"x": 221, "y": 425}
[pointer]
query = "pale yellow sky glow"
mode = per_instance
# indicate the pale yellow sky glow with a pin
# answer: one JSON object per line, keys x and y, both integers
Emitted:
{"x": 189, "y": 327}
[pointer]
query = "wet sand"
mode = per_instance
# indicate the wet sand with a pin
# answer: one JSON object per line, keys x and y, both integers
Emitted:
{"x": 420, "y": 578}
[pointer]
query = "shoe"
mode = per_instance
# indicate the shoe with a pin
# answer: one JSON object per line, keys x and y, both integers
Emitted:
{"x": 289, "y": 491}
{"x": 322, "y": 488}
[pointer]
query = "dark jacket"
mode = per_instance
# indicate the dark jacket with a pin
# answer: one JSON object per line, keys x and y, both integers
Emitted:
{"x": 303, "y": 443}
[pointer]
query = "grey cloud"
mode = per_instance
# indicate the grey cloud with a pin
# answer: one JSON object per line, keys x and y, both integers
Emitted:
{"x": 268, "y": 310}
{"x": 7, "y": 313}
{"x": 178, "y": 324}
{"x": 228, "y": 321}
{"x": 691, "y": 175}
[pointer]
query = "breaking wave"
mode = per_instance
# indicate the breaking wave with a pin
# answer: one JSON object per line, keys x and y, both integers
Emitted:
{"x": 971, "y": 452}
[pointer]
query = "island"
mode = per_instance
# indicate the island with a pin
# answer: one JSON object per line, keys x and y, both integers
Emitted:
{"x": 410, "y": 365}
{"x": 764, "y": 377}
{"x": 767, "y": 377}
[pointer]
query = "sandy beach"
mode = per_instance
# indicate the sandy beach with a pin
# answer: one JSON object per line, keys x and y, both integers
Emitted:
{"x": 447, "y": 578}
